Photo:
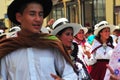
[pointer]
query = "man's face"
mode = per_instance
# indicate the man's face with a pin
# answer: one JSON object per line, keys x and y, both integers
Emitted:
{"x": 32, "y": 18}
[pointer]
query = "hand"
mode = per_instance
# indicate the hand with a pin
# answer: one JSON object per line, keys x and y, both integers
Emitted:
{"x": 112, "y": 75}
{"x": 55, "y": 77}
{"x": 87, "y": 53}
{"x": 51, "y": 21}
{"x": 110, "y": 69}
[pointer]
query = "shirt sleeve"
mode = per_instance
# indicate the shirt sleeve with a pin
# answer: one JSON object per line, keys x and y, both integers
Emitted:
{"x": 3, "y": 70}
{"x": 63, "y": 68}
{"x": 91, "y": 60}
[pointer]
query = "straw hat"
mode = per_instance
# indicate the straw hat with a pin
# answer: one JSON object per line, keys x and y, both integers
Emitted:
{"x": 1, "y": 31}
{"x": 63, "y": 23}
{"x": 44, "y": 30}
{"x": 14, "y": 29}
{"x": 84, "y": 29}
{"x": 101, "y": 25}
{"x": 116, "y": 28}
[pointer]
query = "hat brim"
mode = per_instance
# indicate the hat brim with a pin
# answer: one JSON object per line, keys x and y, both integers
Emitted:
{"x": 76, "y": 28}
{"x": 84, "y": 29}
{"x": 115, "y": 28}
{"x": 102, "y": 27}
{"x": 16, "y": 4}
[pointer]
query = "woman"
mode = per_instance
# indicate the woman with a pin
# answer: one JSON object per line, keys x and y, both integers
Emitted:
{"x": 65, "y": 31}
{"x": 83, "y": 45}
{"x": 101, "y": 50}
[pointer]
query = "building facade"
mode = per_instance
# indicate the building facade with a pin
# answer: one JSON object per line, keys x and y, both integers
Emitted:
{"x": 3, "y": 10}
{"x": 88, "y": 12}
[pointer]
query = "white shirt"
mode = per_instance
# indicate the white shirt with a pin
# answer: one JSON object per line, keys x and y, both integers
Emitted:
{"x": 35, "y": 64}
{"x": 100, "y": 53}
{"x": 114, "y": 63}
{"x": 81, "y": 55}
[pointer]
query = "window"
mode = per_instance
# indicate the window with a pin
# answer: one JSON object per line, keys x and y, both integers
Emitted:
{"x": 73, "y": 13}
{"x": 58, "y": 12}
{"x": 99, "y": 10}
{"x": 93, "y": 11}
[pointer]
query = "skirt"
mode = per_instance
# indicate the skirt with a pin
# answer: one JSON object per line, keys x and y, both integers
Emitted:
{"x": 99, "y": 69}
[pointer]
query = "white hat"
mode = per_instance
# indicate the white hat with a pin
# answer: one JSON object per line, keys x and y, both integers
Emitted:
{"x": 63, "y": 23}
{"x": 14, "y": 29}
{"x": 115, "y": 28}
{"x": 1, "y": 31}
{"x": 84, "y": 29}
{"x": 101, "y": 25}
{"x": 44, "y": 30}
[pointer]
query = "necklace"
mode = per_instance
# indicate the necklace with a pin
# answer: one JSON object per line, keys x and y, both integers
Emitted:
{"x": 104, "y": 47}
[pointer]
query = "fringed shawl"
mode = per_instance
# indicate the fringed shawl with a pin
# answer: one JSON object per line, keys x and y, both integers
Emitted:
{"x": 42, "y": 41}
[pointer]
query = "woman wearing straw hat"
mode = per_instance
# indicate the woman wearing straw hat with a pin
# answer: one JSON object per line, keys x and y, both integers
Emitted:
{"x": 115, "y": 35}
{"x": 101, "y": 50}
{"x": 31, "y": 54}
{"x": 82, "y": 43}
{"x": 65, "y": 31}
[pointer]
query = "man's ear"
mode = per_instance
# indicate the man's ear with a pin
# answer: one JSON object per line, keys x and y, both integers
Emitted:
{"x": 18, "y": 17}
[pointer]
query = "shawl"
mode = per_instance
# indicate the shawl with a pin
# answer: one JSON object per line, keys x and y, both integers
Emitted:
{"x": 97, "y": 44}
{"x": 38, "y": 40}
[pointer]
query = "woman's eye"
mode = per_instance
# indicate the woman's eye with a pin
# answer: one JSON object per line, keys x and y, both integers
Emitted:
{"x": 69, "y": 34}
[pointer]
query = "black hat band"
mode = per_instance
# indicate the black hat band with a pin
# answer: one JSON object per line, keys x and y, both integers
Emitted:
{"x": 61, "y": 23}
{"x": 103, "y": 24}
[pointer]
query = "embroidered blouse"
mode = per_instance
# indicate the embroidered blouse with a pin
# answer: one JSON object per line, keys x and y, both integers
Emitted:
{"x": 99, "y": 51}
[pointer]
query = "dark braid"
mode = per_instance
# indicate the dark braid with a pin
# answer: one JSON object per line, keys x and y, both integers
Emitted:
{"x": 75, "y": 50}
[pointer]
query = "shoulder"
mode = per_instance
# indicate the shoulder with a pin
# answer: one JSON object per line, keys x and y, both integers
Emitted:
{"x": 96, "y": 44}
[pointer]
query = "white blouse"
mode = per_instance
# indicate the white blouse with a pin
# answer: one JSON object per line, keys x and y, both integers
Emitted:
{"x": 35, "y": 64}
{"x": 100, "y": 53}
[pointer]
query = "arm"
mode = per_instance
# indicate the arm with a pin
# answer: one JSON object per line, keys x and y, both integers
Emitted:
{"x": 3, "y": 69}
{"x": 56, "y": 77}
{"x": 112, "y": 75}
{"x": 64, "y": 69}
{"x": 90, "y": 58}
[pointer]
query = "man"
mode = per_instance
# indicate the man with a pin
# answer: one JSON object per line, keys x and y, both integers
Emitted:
{"x": 30, "y": 54}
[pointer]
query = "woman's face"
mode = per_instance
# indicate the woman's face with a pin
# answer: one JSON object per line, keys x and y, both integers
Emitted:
{"x": 80, "y": 35}
{"x": 66, "y": 37}
{"x": 32, "y": 18}
{"x": 105, "y": 33}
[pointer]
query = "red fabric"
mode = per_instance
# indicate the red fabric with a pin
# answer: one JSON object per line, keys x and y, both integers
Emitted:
{"x": 89, "y": 68}
{"x": 98, "y": 70}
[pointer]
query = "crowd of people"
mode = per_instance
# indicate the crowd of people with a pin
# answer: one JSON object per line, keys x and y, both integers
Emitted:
{"x": 59, "y": 51}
